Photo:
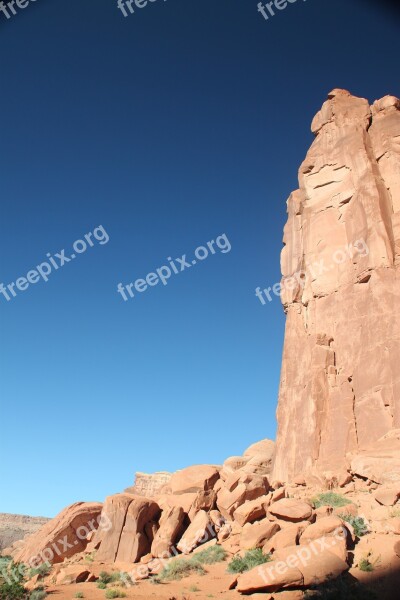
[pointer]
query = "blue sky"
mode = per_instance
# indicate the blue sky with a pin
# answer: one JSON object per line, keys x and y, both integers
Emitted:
{"x": 185, "y": 121}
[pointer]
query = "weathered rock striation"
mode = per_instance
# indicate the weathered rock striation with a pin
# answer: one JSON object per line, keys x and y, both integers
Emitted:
{"x": 149, "y": 484}
{"x": 340, "y": 383}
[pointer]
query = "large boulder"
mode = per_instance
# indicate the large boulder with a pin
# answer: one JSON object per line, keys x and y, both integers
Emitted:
{"x": 198, "y": 478}
{"x": 199, "y": 532}
{"x": 62, "y": 537}
{"x": 254, "y": 535}
{"x": 252, "y": 510}
{"x": 266, "y": 447}
{"x": 269, "y": 578}
{"x": 290, "y": 509}
{"x": 328, "y": 526}
{"x": 126, "y": 540}
{"x": 171, "y": 523}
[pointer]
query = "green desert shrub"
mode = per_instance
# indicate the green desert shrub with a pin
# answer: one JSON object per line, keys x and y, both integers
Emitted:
{"x": 42, "y": 570}
{"x": 13, "y": 591}
{"x": 359, "y": 525}
{"x": 105, "y": 577}
{"x": 330, "y": 499}
{"x": 112, "y": 593}
{"x": 210, "y": 555}
{"x": 178, "y": 569}
{"x": 38, "y": 594}
{"x": 365, "y": 565}
{"x": 101, "y": 585}
{"x": 252, "y": 558}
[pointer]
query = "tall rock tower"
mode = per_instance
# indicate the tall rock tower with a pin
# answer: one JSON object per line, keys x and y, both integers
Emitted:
{"x": 340, "y": 381}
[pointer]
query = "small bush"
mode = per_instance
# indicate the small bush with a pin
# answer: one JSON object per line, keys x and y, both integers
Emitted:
{"x": 110, "y": 594}
{"x": 359, "y": 525}
{"x": 365, "y": 565}
{"x": 178, "y": 569}
{"x": 105, "y": 577}
{"x": 210, "y": 555}
{"x": 38, "y": 594}
{"x": 330, "y": 499}
{"x": 42, "y": 570}
{"x": 194, "y": 588}
{"x": 79, "y": 595}
{"x": 101, "y": 585}
{"x": 251, "y": 559}
{"x": 13, "y": 591}
{"x": 90, "y": 557}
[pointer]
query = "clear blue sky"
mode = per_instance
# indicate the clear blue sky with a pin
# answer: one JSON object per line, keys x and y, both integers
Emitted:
{"x": 184, "y": 121}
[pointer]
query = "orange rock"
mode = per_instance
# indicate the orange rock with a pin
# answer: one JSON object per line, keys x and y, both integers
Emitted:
{"x": 251, "y": 511}
{"x": 285, "y": 537}
{"x": 198, "y": 478}
{"x": 291, "y": 509}
{"x": 62, "y": 537}
{"x": 387, "y": 497}
{"x": 254, "y": 535}
{"x": 263, "y": 447}
{"x": 270, "y": 577}
{"x": 72, "y": 574}
{"x": 323, "y": 527}
{"x": 339, "y": 390}
{"x": 198, "y": 532}
{"x": 171, "y": 523}
{"x": 126, "y": 539}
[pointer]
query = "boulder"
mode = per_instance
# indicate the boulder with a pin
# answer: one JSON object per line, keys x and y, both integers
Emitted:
{"x": 185, "y": 501}
{"x": 254, "y": 535}
{"x": 251, "y": 511}
{"x": 203, "y": 501}
{"x": 289, "y": 536}
{"x": 263, "y": 447}
{"x": 387, "y": 497}
{"x": 72, "y": 574}
{"x": 136, "y": 536}
{"x": 290, "y": 509}
{"x": 270, "y": 577}
{"x": 324, "y": 527}
{"x": 127, "y": 540}
{"x": 171, "y": 523}
{"x": 199, "y": 532}
{"x": 198, "y": 478}
{"x": 324, "y": 566}
{"x": 62, "y": 537}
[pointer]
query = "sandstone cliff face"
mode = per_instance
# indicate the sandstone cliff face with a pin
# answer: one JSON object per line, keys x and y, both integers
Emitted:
{"x": 340, "y": 380}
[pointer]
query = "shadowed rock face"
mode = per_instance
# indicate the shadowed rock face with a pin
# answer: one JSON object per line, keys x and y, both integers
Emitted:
{"x": 340, "y": 381}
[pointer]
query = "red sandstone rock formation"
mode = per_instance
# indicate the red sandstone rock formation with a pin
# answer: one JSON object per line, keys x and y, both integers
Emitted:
{"x": 340, "y": 381}
{"x": 62, "y": 537}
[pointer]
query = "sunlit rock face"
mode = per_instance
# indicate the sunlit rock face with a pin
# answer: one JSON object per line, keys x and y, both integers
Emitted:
{"x": 340, "y": 381}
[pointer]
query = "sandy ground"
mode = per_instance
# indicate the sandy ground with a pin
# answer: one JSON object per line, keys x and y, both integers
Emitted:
{"x": 214, "y": 584}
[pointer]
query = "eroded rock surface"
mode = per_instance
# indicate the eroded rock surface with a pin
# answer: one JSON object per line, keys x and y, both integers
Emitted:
{"x": 340, "y": 381}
